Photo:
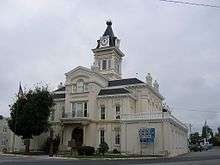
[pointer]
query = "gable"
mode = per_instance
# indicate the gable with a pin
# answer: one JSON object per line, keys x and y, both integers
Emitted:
{"x": 85, "y": 74}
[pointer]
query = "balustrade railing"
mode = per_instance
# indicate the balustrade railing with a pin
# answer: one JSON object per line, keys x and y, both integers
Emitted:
{"x": 71, "y": 115}
{"x": 152, "y": 116}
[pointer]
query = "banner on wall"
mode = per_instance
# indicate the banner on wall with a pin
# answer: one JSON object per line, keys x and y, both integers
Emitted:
{"x": 147, "y": 135}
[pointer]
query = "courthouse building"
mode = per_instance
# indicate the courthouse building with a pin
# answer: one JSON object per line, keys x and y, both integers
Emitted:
{"x": 4, "y": 134}
{"x": 96, "y": 104}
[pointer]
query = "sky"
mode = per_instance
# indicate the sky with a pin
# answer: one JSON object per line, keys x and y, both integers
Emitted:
{"x": 179, "y": 45}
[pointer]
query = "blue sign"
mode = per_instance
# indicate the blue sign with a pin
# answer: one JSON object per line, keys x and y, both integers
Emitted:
{"x": 147, "y": 135}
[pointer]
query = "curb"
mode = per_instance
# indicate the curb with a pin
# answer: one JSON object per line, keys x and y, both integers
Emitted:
{"x": 130, "y": 158}
{"x": 25, "y": 156}
{"x": 72, "y": 158}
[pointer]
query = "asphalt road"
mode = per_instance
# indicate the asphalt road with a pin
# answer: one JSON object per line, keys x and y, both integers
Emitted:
{"x": 211, "y": 157}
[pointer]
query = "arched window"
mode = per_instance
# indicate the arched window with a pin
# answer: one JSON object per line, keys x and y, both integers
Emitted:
{"x": 80, "y": 86}
{"x": 104, "y": 64}
{"x": 102, "y": 112}
{"x": 102, "y": 135}
{"x": 117, "y": 111}
{"x": 117, "y": 137}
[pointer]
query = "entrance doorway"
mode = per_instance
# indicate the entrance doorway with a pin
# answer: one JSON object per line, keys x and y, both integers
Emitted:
{"x": 77, "y": 135}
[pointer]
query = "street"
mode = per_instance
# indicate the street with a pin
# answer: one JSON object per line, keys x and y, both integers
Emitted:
{"x": 210, "y": 157}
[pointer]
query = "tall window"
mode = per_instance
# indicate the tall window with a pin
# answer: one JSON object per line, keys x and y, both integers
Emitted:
{"x": 85, "y": 109}
{"x": 104, "y": 64}
{"x": 102, "y": 112}
{"x": 4, "y": 141}
{"x": 62, "y": 134}
{"x": 117, "y": 111}
{"x": 74, "y": 109}
{"x": 63, "y": 111}
{"x": 109, "y": 63}
{"x": 79, "y": 109}
{"x": 80, "y": 86}
{"x": 117, "y": 137}
{"x": 4, "y": 129}
{"x": 102, "y": 136}
{"x": 85, "y": 87}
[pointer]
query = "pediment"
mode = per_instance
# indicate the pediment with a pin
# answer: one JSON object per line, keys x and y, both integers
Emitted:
{"x": 86, "y": 74}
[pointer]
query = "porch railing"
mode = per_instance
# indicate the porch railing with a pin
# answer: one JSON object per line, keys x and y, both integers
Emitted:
{"x": 152, "y": 116}
{"x": 70, "y": 115}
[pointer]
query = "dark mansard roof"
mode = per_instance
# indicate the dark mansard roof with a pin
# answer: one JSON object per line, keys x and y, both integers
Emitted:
{"x": 60, "y": 89}
{"x": 59, "y": 93}
{"x": 128, "y": 81}
{"x": 113, "y": 91}
{"x": 59, "y": 96}
{"x": 112, "y": 83}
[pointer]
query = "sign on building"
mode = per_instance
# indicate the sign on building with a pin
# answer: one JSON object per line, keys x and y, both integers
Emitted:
{"x": 147, "y": 135}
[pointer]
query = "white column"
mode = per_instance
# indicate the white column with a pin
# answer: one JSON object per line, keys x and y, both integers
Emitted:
{"x": 123, "y": 138}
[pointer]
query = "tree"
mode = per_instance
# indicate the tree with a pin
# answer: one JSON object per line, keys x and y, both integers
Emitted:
{"x": 103, "y": 148}
{"x": 216, "y": 138}
{"x": 30, "y": 114}
{"x": 194, "y": 138}
{"x": 207, "y": 132}
{"x": 218, "y": 130}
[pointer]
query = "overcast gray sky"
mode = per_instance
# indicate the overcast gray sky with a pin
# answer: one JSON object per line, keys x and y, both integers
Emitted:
{"x": 179, "y": 45}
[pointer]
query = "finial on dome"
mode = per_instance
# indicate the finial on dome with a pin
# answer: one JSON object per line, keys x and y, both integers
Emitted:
{"x": 156, "y": 85}
{"x": 109, "y": 22}
{"x": 60, "y": 85}
{"x": 149, "y": 79}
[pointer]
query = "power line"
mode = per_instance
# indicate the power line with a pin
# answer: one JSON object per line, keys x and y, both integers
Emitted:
{"x": 191, "y": 3}
{"x": 199, "y": 107}
{"x": 195, "y": 110}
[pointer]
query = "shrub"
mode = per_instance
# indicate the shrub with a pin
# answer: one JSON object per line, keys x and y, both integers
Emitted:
{"x": 86, "y": 150}
{"x": 56, "y": 143}
{"x": 4, "y": 150}
{"x": 103, "y": 148}
{"x": 46, "y": 146}
{"x": 115, "y": 151}
{"x": 216, "y": 140}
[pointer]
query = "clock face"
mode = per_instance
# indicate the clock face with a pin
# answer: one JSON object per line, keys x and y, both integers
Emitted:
{"x": 104, "y": 41}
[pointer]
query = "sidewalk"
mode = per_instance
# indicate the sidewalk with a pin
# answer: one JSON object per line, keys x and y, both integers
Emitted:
{"x": 77, "y": 158}
{"x": 26, "y": 156}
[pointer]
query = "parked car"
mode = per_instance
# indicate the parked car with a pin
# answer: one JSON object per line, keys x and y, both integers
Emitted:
{"x": 206, "y": 146}
{"x": 210, "y": 146}
{"x": 195, "y": 147}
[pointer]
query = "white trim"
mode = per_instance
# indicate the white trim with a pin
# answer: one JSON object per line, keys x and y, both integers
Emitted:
{"x": 85, "y": 69}
{"x": 116, "y": 95}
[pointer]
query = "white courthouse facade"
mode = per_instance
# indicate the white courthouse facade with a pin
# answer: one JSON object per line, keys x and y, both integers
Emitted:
{"x": 96, "y": 104}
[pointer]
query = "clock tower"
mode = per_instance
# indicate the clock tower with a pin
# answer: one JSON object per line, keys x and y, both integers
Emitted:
{"x": 107, "y": 55}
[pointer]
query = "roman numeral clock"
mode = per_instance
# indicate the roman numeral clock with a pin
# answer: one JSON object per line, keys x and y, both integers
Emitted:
{"x": 104, "y": 41}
